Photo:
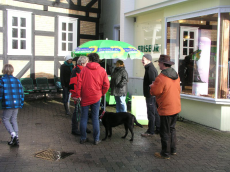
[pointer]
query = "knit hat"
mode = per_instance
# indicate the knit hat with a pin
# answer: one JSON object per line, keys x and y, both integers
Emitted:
{"x": 68, "y": 57}
{"x": 148, "y": 56}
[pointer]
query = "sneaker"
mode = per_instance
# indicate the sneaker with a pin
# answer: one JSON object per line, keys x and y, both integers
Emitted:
{"x": 12, "y": 141}
{"x": 158, "y": 155}
{"x": 146, "y": 134}
{"x": 82, "y": 141}
{"x": 97, "y": 142}
{"x": 17, "y": 141}
{"x": 173, "y": 153}
{"x": 76, "y": 133}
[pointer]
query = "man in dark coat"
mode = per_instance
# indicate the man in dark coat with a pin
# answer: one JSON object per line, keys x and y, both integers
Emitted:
{"x": 66, "y": 70}
{"x": 149, "y": 77}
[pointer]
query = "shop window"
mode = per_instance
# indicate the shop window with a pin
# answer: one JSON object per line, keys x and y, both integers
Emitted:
{"x": 192, "y": 43}
{"x": 224, "y": 57}
{"x": 19, "y": 32}
{"x": 67, "y": 33}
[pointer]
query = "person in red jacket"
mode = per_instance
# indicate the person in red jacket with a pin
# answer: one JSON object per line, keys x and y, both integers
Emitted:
{"x": 166, "y": 88}
{"x": 92, "y": 84}
{"x": 81, "y": 62}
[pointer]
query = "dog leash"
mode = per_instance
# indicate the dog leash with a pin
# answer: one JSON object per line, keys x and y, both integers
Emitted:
{"x": 102, "y": 114}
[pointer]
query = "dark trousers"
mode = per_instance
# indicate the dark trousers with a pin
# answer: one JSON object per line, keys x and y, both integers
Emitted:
{"x": 76, "y": 119}
{"x": 153, "y": 116}
{"x": 65, "y": 94}
{"x": 168, "y": 134}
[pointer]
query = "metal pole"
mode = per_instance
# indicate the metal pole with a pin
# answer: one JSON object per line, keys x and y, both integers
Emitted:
{"x": 105, "y": 94}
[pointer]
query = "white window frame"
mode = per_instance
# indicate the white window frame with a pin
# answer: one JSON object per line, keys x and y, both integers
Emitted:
{"x": 188, "y": 29}
{"x": 62, "y": 19}
{"x": 28, "y": 17}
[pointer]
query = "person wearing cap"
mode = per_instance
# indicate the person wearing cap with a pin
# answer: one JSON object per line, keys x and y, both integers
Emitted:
{"x": 66, "y": 69}
{"x": 149, "y": 77}
{"x": 166, "y": 88}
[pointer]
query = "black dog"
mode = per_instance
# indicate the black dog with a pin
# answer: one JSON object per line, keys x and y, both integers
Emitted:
{"x": 110, "y": 119}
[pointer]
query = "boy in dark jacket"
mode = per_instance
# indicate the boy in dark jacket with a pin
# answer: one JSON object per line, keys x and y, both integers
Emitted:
{"x": 153, "y": 116}
{"x": 12, "y": 98}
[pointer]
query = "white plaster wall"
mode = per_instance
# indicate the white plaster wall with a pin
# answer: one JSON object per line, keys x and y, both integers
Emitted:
{"x": 203, "y": 113}
{"x": 146, "y": 3}
{"x": 225, "y": 118}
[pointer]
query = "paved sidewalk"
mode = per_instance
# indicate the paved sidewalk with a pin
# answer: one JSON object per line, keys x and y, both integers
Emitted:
{"x": 43, "y": 125}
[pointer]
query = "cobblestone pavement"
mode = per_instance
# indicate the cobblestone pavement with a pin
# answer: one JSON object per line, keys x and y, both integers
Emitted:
{"x": 43, "y": 125}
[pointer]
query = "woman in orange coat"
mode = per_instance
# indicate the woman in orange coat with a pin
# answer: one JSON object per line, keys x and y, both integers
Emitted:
{"x": 166, "y": 88}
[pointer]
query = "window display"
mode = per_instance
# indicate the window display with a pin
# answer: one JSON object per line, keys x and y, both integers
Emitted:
{"x": 192, "y": 43}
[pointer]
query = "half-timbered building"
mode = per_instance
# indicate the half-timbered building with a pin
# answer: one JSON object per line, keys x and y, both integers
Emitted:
{"x": 36, "y": 35}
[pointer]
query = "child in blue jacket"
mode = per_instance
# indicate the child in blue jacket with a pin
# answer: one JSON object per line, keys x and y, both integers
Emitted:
{"x": 12, "y": 98}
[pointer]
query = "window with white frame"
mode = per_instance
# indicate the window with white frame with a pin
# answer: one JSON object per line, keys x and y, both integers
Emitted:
{"x": 19, "y": 32}
{"x": 188, "y": 40}
{"x": 67, "y": 35}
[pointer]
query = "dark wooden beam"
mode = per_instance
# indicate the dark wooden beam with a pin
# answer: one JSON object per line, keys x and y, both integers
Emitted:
{"x": 71, "y": 5}
{"x": 24, "y": 70}
{"x": 49, "y": 13}
{"x": 82, "y": 36}
{"x": 44, "y": 58}
{"x": 44, "y": 33}
{"x": 91, "y": 3}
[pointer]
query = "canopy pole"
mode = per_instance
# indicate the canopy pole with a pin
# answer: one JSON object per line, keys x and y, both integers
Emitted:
{"x": 105, "y": 93}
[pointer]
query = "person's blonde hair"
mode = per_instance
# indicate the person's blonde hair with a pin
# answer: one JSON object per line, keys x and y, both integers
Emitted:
{"x": 121, "y": 63}
{"x": 8, "y": 69}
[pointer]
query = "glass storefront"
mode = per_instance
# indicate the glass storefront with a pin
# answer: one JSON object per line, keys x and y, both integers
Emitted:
{"x": 194, "y": 46}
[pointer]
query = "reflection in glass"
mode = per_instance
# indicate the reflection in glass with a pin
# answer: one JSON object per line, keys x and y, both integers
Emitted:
{"x": 14, "y": 33}
{"x": 191, "y": 43}
{"x": 63, "y": 46}
{"x": 191, "y": 50}
{"x": 14, "y": 44}
{"x": 185, "y": 34}
{"x": 70, "y": 46}
{"x": 14, "y": 21}
{"x": 184, "y": 51}
{"x": 63, "y": 36}
{"x": 70, "y": 27}
{"x": 70, "y": 36}
{"x": 197, "y": 62}
{"x": 185, "y": 44}
{"x": 64, "y": 26}
{"x": 23, "y": 22}
{"x": 191, "y": 35}
{"x": 23, "y": 44}
{"x": 23, "y": 33}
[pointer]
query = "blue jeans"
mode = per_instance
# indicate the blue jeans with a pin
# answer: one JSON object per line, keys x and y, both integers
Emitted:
{"x": 120, "y": 104}
{"x": 153, "y": 116}
{"x": 95, "y": 120}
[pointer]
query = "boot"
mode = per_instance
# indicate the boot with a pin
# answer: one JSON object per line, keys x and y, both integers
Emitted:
{"x": 67, "y": 109}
